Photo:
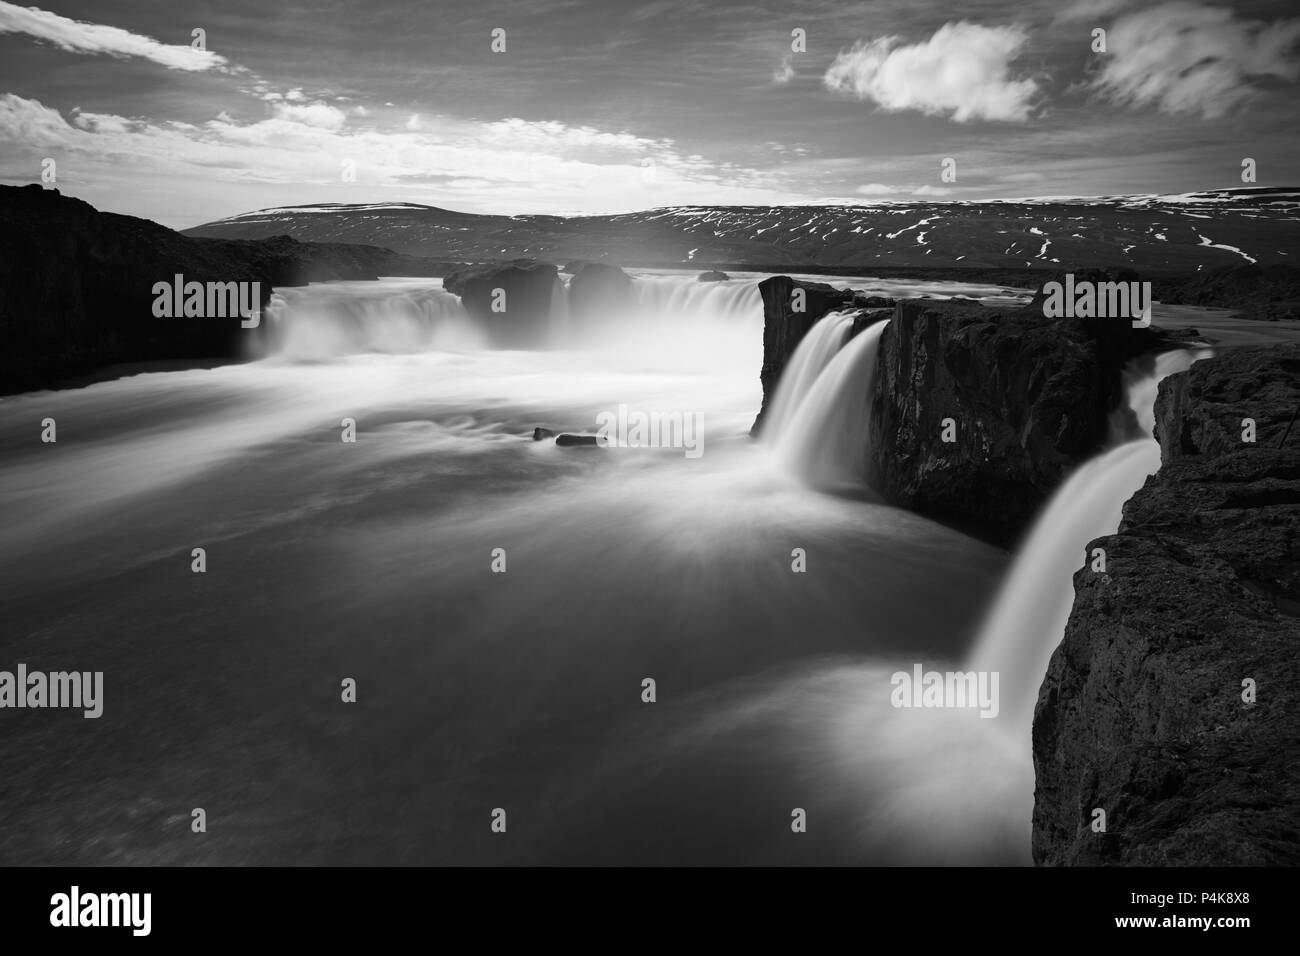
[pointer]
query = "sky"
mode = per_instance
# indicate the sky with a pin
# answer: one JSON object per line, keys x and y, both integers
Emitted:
{"x": 185, "y": 112}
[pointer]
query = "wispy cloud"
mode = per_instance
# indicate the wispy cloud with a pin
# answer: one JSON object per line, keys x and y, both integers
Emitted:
{"x": 1187, "y": 58}
{"x": 513, "y": 163}
{"x": 963, "y": 72}
{"x": 79, "y": 37}
{"x": 784, "y": 71}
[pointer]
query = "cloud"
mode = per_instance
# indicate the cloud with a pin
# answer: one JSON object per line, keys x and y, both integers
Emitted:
{"x": 79, "y": 37}
{"x": 963, "y": 71}
{"x": 311, "y": 114}
{"x": 1187, "y": 58}
{"x": 880, "y": 189}
{"x": 1090, "y": 9}
{"x": 525, "y": 166}
{"x": 784, "y": 71}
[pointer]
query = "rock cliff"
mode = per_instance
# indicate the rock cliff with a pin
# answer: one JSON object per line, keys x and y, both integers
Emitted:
{"x": 1147, "y": 711}
{"x": 76, "y": 285}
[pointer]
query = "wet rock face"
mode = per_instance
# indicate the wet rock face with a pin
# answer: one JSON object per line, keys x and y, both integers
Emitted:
{"x": 978, "y": 414}
{"x": 512, "y": 300}
{"x": 1141, "y": 713}
{"x": 1028, "y": 397}
{"x": 790, "y": 308}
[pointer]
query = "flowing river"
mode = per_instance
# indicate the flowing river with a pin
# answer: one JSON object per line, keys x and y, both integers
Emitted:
{"x": 379, "y": 561}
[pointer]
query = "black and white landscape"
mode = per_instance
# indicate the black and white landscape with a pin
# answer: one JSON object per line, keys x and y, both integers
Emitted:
{"x": 665, "y": 433}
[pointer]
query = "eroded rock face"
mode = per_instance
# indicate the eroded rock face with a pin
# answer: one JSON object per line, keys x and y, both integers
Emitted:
{"x": 790, "y": 308}
{"x": 1141, "y": 713}
{"x": 512, "y": 300}
{"x": 1029, "y": 397}
{"x": 76, "y": 285}
{"x": 1024, "y": 398}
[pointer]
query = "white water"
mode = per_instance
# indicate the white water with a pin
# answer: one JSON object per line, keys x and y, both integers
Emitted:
{"x": 810, "y": 358}
{"x": 673, "y": 300}
{"x": 1029, "y": 617}
{"x": 825, "y": 440}
{"x": 478, "y": 690}
{"x": 397, "y": 316}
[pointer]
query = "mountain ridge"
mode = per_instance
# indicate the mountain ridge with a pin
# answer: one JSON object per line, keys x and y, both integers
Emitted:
{"x": 1179, "y": 232}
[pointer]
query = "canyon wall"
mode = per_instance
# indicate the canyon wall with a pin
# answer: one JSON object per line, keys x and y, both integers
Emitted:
{"x": 76, "y": 285}
{"x": 1146, "y": 712}
{"x": 1029, "y": 398}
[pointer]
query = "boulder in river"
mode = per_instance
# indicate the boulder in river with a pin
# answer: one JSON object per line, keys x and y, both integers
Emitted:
{"x": 596, "y": 291}
{"x": 512, "y": 300}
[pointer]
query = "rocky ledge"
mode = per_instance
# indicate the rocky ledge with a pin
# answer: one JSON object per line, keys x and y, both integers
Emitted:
{"x": 1029, "y": 398}
{"x": 1173, "y": 702}
{"x": 790, "y": 308}
{"x": 512, "y": 300}
{"x": 76, "y": 285}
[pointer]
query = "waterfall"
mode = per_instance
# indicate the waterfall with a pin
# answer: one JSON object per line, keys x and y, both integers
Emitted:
{"x": 1029, "y": 616}
{"x": 685, "y": 298}
{"x": 824, "y": 441}
{"x": 397, "y": 316}
{"x": 675, "y": 322}
{"x": 1141, "y": 380}
{"x": 666, "y": 322}
{"x": 810, "y": 358}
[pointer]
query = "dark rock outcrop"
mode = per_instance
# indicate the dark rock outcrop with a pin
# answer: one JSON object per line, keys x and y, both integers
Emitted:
{"x": 512, "y": 300}
{"x": 76, "y": 286}
{"x": 790, "y": 309}
{"x": 1029, "y": 398}
{"x": 713, "y": 275}
{"x": 571, "y": 440}
{"x": 597, "y": 290}
{"x": 1141, "y": 713}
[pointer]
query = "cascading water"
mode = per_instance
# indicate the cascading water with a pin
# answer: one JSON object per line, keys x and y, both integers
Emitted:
{"x": 824, "y": 440}
{"x": 674, "y": 298}
{"x": 624, "y": 562}
{"x": 680, "y": 323}
{"x": 1029, "y": 617}
{"x": 809, "y": 360}
{"x": 398, "y": 316}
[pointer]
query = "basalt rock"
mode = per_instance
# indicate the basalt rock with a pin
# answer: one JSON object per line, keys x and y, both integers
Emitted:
{"x": 712, "y": 275}
{"x": 790, "y": 308}
{"x": 596, "y": 291}
{"x": 570, "y": 440}
{"x": 1028, "y": 398}
{"x": 76, "y": 286}
{"x": 1147, "y": 710}
{"x": 512, "y": 300}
